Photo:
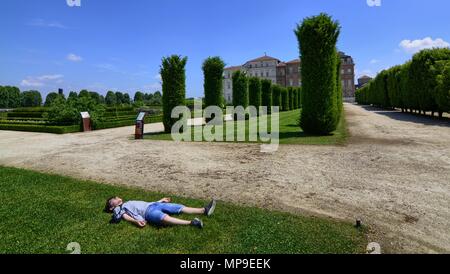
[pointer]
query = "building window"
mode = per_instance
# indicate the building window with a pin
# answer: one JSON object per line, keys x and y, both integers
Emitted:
{"x": 291, "y": 82}
{"x": 342, "y": 71}
{"x": 349, "y": 70}
{"x": 267, "y": 74}
{"x": 349, "y": 83}
{"x": 343, "y": 83}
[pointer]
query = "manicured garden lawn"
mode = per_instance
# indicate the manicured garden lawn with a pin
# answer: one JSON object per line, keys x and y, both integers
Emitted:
{"x": 290, "y": 132}
{"x": 42, "y": 213}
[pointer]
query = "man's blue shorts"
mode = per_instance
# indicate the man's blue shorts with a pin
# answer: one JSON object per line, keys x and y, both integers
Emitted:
{"x": 156, "y": 212}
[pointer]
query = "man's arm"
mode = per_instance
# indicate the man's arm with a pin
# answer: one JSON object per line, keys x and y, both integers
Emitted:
{"x": 165, "y": 200}
{"x": 130, "y": 219}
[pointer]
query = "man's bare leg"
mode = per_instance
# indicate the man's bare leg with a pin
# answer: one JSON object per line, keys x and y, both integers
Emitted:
{"x": 190, "y": 210}
{"x": 174, "y": 221}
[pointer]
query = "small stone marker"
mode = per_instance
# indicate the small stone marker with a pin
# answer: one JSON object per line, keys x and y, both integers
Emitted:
{"x": 86, "y": 117}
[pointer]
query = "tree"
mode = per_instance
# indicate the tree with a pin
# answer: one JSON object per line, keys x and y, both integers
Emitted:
{"x": 50, "y": 98}
{"x": 84, "y": 93}
{"x": 213, "y": 77}
{"x": 119, "y": 98}
{"x": 31, "y": 98}
{"x": 110, "y": 99}
{"x": 9, "y": 97}
{"x": 317, "y": 37}
{"x": 3, "y": 98}
{"x": 173, "y": 74}
{"x": 156, "y": 99}
{"x": 126, "y": 99}
{"x": 254, "y": 92}
{"x": 72, "y": 96}
{"x": 266, "y": 89}
{"x": 240, "y": 89}
{"x": 139, "y": 97}
{"x": 95, "y": 96}
{"x": 276, "y": 96}
{"x": 62, "y": 112}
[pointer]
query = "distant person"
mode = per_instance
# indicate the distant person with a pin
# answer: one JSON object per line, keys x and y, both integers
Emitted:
{"x": 158, "y": 213}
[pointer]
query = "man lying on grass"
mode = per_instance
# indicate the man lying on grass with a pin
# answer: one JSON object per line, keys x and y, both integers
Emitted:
{"x": 157, "y": 213}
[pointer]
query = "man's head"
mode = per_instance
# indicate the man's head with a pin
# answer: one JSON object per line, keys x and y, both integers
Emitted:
{"x": 112, "y": 203}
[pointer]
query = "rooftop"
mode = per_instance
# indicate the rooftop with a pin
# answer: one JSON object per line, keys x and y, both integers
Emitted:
{"x": 263, "y": 58}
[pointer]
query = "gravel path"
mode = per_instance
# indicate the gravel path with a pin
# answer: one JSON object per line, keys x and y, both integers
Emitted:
{"x": 394, "y": 174}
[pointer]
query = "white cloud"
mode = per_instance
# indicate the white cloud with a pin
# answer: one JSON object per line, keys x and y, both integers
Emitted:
{"x": 74, "y": 58}
{"x": 39, "y": 81}
{"x": 425, "y": 43}
{"x": 46, "y": 24}
{"x": 158, "y": 77}
{"x": 374, "y": 61}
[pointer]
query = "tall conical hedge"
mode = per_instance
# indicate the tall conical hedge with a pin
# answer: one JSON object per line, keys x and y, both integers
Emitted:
{"x": 285, "y": 99}
{"x": 276, "y": 96}
{"x": 291, "y": 98}
{"x": 317, "y": 37}
{"x": 299, "y": 92}
{"x": 240, "y": 89}
{"x": 213, "y": 78}
{"x": 173, "y": 75}
{"x": 443, "y": 88}
{"x": 266, "y": 86}
{"x": 339, "y": 92}
{"x": 254, "y": 92}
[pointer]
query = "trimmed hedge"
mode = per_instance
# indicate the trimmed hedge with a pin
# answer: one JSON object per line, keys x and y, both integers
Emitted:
{"x": 240, "y": 89}
{"x": 43, "y": 128}
{"x": 125, "y": 123}
{"x": 285, "y": 99}
{"x": 276, "y": 96}
{"x": 32, "y": 114}
{"x": 291, "y": 98}
{"x": 18, "y": 122}
{"x": 414, "y": 86}
{"x": 31, "y": 109}
{"x": 213, "y": 76}
{"x": 173, "y": 74}
{"x": 266, "y": 96}
{"x": 254, "y": 92}
{"x": 317, "y": 37}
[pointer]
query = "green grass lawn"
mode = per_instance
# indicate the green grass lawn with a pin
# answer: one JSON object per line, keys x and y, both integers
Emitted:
{"x": 42, "y": 213}
{"x": 290, "y": 132}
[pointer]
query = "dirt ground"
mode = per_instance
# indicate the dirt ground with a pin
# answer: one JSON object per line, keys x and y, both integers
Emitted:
{"x": 394, "y": 173}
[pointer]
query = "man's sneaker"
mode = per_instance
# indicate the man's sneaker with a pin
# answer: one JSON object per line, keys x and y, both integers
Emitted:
{"x": 197, "y": 223}
{"x": 209, "y": 209}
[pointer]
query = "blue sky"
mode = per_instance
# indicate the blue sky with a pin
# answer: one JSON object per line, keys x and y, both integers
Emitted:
{"x": 118, "y": 44}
